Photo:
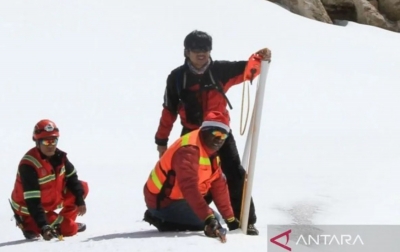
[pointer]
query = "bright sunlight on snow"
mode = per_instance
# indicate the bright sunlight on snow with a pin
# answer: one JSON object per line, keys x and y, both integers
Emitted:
{"x": 329, "y": 140}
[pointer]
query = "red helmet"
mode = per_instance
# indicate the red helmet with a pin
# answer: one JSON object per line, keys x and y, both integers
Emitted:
{"x": 45, "y": 128}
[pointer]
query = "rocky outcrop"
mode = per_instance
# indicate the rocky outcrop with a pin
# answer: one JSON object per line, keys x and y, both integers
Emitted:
{"x": 368, "y": 14}
{"x": 390, "y": 8}
{"x": 384, "y": 14}
{"x": 340, "y": 9}
{"x": 308, "y": 8}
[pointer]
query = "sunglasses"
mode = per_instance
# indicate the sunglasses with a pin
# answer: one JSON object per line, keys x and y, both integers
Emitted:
{"x": 200, "y": 49}
{"x": 47, "y": 142}
{"x": 219, "y": 134}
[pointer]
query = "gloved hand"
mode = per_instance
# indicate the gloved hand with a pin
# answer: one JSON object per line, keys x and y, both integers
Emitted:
{"x": 265, "y": 54}
{"x": 161, "y": 149}
{"x": 253, "y": 66}
{"x": 211, "y": 227}
{"x": 48, "y": 232}
{"x": 233, "y": 224}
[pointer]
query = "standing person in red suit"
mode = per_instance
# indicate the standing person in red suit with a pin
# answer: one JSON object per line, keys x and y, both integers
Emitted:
{"x": 198, "y": 87}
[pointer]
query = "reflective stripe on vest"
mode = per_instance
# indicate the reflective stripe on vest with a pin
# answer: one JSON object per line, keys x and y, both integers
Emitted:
{"x": 158, "y": 176}
{"x": 47, "y": 179}
{"x": 202, "y": 160}
{"x": 57, "y": 221}
{"x": 31, "y": 194}
{"x": 71, "y": 173}
{"x": 38, "y": 165}
{"x": 51, "y": 181}
{"x": 33, "y": 160}
{"x": 155, "y": 179}
{"x": 19, "y": 208}
{"x": 24, "y": 210}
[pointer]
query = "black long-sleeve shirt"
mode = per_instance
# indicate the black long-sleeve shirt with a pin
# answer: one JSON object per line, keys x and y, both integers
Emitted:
{"x": 30, "y": 182}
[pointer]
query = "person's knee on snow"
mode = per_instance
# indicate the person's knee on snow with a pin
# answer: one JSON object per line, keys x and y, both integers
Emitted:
{"x": 167, "y": 226}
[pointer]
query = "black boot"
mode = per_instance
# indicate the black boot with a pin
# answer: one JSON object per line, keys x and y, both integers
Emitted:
{"x": 252, "y": 230}
{"x": 29, "y": 235}
{"x": 81, "y": 227}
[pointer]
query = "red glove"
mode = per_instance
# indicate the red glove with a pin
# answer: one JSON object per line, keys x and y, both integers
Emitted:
{"x": 254, "y": 64}
{"x": 252, "y": 69}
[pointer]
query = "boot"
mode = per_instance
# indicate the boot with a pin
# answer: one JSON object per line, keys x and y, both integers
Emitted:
{"x": 29, "y": 235}
{"x": 252, "y": 230}
{"x": 81, "y": 227}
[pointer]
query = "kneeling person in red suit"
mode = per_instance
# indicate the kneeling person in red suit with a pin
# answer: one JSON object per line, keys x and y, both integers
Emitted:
{"x": 185, "y": 174}
{"x": 46, "y": 181}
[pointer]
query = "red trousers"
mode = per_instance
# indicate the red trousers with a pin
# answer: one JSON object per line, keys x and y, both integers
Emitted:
{"x": 68, "y": 214}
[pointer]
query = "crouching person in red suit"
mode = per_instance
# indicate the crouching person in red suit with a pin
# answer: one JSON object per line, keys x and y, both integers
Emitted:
{"x": 46, "y": 181}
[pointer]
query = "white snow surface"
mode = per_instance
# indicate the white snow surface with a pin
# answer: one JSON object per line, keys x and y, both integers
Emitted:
{"x": 329, "y": 141}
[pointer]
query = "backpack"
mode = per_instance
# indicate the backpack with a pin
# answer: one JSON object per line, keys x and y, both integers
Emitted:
{"x": 181, "y": 84}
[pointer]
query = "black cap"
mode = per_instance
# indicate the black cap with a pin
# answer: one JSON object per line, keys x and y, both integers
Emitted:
{"x": 198, "y": 40}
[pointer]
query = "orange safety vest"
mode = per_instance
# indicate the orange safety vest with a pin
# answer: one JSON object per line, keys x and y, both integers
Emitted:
{"x": 162, "y": 178}
{"x": 51, "y": 181}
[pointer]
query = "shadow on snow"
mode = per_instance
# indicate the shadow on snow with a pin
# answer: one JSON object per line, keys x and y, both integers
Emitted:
{"x": 11, "y": 243}
{"x": 144, "y": 234}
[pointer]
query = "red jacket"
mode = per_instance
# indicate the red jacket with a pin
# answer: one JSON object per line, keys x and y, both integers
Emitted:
{"x": 193, "y": 96}
{"x": 52, "y": 183}
{"x": 185, "y": 163}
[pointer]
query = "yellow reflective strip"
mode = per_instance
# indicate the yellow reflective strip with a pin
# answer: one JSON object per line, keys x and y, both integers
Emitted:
{"x": 72, "y": 173}
{"x": 62, "y": 171}
{"x": 185, "y": 139}
{"x": 57, "y": 221}
{"x": 33, "y": 160}
{"x": 16, "y": 207}
{"x": 155, "y": 179}
{"x": 31, "y": 194}
{"x": 47, "y": 179}
{"x": 24, "y": 210}
{"x": 204, "y": 161}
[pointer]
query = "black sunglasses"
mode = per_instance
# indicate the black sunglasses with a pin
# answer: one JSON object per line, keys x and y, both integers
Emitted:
{"x": 200, "y": 49}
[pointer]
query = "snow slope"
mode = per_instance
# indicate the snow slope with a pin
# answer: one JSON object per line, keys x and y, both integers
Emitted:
{"x": 328, "y": 149}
